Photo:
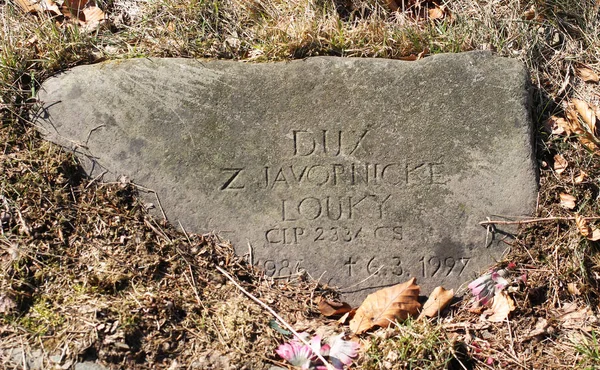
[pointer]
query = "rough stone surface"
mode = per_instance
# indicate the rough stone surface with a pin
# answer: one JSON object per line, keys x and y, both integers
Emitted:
{"x": 88, "y": 365}
{"x": 363, "y": 172}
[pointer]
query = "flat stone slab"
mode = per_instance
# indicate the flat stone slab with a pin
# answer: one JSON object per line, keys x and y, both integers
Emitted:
{"x": 363, "y": 172}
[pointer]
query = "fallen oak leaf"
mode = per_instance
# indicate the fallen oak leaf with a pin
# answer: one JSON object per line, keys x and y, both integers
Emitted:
{"x": 558, "y": 126}
{"x": 529, "y": 14}
{"x": 589, "y": 142}
{"x": 347, "y": 316}
{"x": 560, "y": 164}
{"x": 587, "y": 231}
{"x": 573, "y": 289}
{"x": 502, "y": 306}
{"x": 583, "y": 226}
{"x": 29, "y": 6}
{"x": 84, "y": 13}
{"x": 437, "y": 301}
{"x": 574, "y": 317}
{"x": 573, "y": 118}
{"x": 92, "y": 17}
{"x": 383, "y": 307}
{"x": 437, "y": 12}
{"x": 587, "y": 74}
{"x": 39, "y": 6}
{"x": 587, "y": 114}
{"x": 332, "y": 308}
{"x": 567, "y": 201}
{"x": 74, "y": 8}
{"x": 596, "y": 110}
{"x": 595, "y": 235}
{"x": 541, "y": 328}
{"x": 580, "y": 177}
{"x": 582, "y": 119}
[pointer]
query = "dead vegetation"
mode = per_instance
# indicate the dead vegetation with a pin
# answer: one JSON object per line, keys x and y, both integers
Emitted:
{"x": 87, "y": 274}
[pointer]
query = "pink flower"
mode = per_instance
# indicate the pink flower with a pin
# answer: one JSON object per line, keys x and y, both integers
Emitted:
{"x": 341, "y": 352}
{"x": 297, "y": 354}
{"x": 337, "y": 351}
{"x": 486, "y": 286}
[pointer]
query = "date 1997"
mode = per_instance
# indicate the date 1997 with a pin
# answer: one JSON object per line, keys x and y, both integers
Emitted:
{"x": 426, "y": 267}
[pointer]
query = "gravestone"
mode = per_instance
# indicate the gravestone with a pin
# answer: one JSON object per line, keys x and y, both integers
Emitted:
{"x": 363, "y": 172}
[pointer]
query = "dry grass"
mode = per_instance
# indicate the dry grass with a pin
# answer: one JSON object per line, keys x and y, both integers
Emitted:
{"x": 92, "y": 276}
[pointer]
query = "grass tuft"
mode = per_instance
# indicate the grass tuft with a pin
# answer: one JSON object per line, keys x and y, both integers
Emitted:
{"x": 413, "y": 345}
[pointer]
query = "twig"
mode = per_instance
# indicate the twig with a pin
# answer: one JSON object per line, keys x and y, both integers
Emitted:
{"x": 90, "y": 133}
{"x": 23, "y": 358}
{"x": 96, "y": 179}
{"x": 185, "y": 233}
{"x": 344, "y": 290}
{"x": 156, "y": 230}
{"x": 148, "y": 190}
{"x": 533, "y": 220}
{"x": 512, "y": 340}
{"x": 272, "y": 312}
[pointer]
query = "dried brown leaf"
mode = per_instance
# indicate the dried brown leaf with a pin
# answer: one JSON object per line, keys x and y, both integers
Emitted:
{"x": 585, "y": 135}
{"x": 92, "y": 17}
{"x": 572, "y": 288}
{"x": 560, "y": 164}
{"x": 595, "y": 235}
{"x": 596, "y": 110}
{"x": 589, "y": 232}
{"x": 589, "y": 142}
{"x": 436, "y": 13}
{"x": 558, "y": 126}
{"x": 29, "y": 6}
{"x": 74, "y": 8}
{"x": 385, "y": 306}
{"x": 587, "y": 114}
{"x": 437, "y": 301}
{"x": 567, "y": 201}
{"x": 39, "y": 6}
{"x": 347, "y": 316}
{"x": 573, "y": 118}
{"x": 574, "y": 317}
{"x": 409, "y": 58}
{"x": 503, "y": 305}
{"x": 583, "y": 226}
{"x": 587, "y": 74}
{"x": 332, "y": 308}
{"x": 529, "y": 14}
{"x": 580, "y": 177}
{"x": 541, "y": 328}
{"x": 51, "y": 7}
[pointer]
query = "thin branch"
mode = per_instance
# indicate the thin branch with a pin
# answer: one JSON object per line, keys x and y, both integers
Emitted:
{"x": 272, "y": 312}
{"x": 533, "y": 220}
{"x": 345, "y": 290}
